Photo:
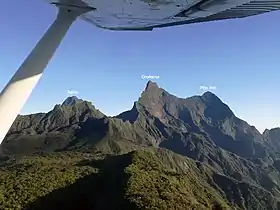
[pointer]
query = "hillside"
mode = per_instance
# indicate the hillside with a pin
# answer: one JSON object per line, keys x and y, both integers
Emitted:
{"x": 144, "y": 179}
{"x": 224, "y": 162}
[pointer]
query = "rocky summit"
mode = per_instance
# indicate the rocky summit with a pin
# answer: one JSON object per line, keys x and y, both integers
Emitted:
{"x": 164, "y": 153}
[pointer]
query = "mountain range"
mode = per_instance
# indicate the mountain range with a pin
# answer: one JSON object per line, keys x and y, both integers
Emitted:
{"x": 196, "y": 147}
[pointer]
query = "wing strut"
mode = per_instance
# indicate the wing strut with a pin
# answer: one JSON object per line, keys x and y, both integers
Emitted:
{"x": 17, "y": 91}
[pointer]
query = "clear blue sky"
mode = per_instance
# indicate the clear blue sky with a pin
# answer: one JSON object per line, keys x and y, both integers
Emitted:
{"x": 239, "y": 57}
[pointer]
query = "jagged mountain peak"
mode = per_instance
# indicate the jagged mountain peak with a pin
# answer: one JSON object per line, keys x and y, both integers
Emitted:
{"x": 211, "y": 97}
{"x": 201, "y": 114}
{"x": 151, "y": 86}
{"x": 272, "y": 130}
{"x": 151, "y": 96}
{"x": 209, "y": 94}
{"x": 158, "y": 102}
{"x": 272, "y": 133}
{"x": 272, "y": 136}
{"x": 72, "y": 100}
{"x": 71, "y": 112}
{"x": 160, "y": 113}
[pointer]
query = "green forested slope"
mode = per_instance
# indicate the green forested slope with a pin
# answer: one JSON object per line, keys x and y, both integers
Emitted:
{"x": 143, "y": 179}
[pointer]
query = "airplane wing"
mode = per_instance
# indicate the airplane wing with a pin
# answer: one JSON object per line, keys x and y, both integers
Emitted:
{"x": 144, "y": 15}
{"x": 166, "y": 13}
{"x": 249, "y": 9}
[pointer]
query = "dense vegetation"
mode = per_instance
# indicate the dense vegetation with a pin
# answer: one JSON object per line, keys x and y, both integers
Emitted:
{"x": 155, "y": 185}
{"x": 25, "y": 180}
{"x": 143, "y": 179}
{"x": 71, "y": 180}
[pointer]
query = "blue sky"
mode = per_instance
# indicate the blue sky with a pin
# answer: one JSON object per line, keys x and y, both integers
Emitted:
{"x": 239, "y": 57}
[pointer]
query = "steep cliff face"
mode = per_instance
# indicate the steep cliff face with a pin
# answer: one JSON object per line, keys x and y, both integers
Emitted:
{"x": 273, "y": 138}
{"x": 206, "y": 115}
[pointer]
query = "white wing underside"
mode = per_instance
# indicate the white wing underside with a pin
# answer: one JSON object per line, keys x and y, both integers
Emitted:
{"x": 149, "y": 14}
